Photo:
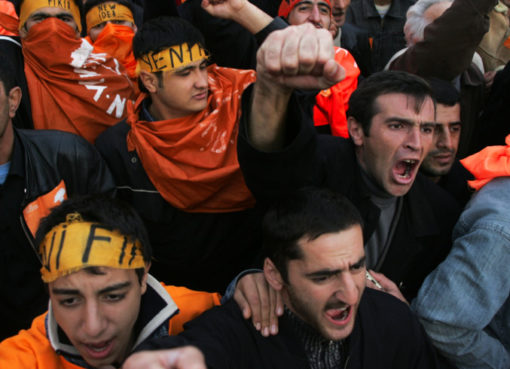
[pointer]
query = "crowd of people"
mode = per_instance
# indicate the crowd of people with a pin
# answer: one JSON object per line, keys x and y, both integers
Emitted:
{"x": 254, "y": 184}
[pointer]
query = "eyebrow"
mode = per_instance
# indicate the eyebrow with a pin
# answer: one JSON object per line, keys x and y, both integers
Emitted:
{"x": 407, "y": 121}
{"x": 71, "y": 291}
{"x": 37, "y": 13}
{"x": 330, "y": 272}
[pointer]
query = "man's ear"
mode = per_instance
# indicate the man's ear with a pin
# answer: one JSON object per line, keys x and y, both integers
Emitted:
{"x": 355, "y": 131}
{"x": 143, "y": 282}
{"x": 273, "y": 276}
{"x": 14, "y": 100}
{"x": 149, "y": 80}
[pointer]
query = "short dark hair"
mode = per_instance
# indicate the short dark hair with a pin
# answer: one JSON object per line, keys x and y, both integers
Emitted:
{"x": 362, "y": 105}
{"x": 7, "y": 74}
{"x": 308, "y": 212}
{"x": 444, "y": 92}
{"x": 17, "y": 5}
{"x": 105, "y": 210}
{"x": 162, "y": 32}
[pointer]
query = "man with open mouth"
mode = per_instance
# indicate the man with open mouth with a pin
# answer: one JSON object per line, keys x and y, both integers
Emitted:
{"x": 313, "y": 243}
{"x": 391, "y": 121}
{"x": 95, "y": 257}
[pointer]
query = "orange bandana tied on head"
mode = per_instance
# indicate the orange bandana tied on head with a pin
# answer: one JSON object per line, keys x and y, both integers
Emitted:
{"x": 171, "y": 58}
{"x": 492, "y": 162}
{"x": 286, "y": 7}
{"x": 30, "y": 6}
{"x": 76, "y": 244}
{"x": 109, "y": 11}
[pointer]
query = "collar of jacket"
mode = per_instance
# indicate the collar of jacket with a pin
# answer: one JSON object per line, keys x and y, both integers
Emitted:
{"x": 156, "y": 309}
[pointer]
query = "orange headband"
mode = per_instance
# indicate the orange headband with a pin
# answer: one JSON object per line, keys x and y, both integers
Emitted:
{"x": 30, "y": 6}
{"x": 75, "y": 244}
{"x": 107, "y": 12}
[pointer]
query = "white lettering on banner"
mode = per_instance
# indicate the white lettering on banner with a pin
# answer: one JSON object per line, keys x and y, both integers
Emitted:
{"x": 99, "y": 91}
{"x": 117, "y": 105}
{"x": 86, "y": 73}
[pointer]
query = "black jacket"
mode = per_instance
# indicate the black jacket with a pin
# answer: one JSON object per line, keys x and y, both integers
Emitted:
{"x": 385, "y": 335}
{"x": 40, "y": 161}
{"x": 422, "y": 236}
{"x": 203, "y": 251}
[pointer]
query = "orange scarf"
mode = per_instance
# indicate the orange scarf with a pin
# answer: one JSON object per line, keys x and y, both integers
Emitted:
{"x": 490, "y": 163}
{"x": 192, "y": 161}
{"x": 116, "y": 40}
{"x": 72, "y": 88}
{"x": 8, "y": 19}
{"x": 331, "y": 105}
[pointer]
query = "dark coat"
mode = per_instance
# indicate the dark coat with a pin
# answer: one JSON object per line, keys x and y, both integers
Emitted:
{"x": 40, "y": 161}
{"x": 202, "y": 251}
{"x": 385, "y": 335}
{"x": 387, "y": 34}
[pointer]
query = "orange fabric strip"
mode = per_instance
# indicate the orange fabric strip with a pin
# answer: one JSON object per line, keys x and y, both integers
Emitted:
{"x": 331, "y": 105}
{"x": 116, "y": 40}
{"x": 40, "y": 207}
{"x": 72, "y": 87}
{"x": 490, "y": 163}
{"x": 192, "y": 161}
{"x": 9, "y": 22}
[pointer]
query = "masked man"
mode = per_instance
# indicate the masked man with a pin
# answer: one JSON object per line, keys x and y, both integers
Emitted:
{"x": 72, "y": 86}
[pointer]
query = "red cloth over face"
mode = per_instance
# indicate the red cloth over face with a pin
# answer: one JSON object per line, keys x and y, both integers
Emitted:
{"x": 72, "y": 87}
{"x": 192, "y": 161}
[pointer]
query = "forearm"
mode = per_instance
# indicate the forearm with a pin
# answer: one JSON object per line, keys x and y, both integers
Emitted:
{"x": 252, "y": 18}
{"x": 266, "y": 127}
{"x": 449, "y": 42}
{"x": 467, "y": 349}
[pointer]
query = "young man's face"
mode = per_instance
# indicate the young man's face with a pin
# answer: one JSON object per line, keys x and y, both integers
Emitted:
{"x": 440, "y": 159}
{"x": 96, "y": 30}
{"x": 184, "y": 91}
{"x": 44, "y": 13}
{"x": 325, "y": 286}
{"x": 400, "y": 136}
{"x": 98, "y": 312}
{"x": 317, "y": 12}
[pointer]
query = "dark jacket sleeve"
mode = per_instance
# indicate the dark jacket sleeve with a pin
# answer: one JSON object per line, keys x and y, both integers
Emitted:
{"x": 449, "y": 42}
{"x": 270, "y": 174}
